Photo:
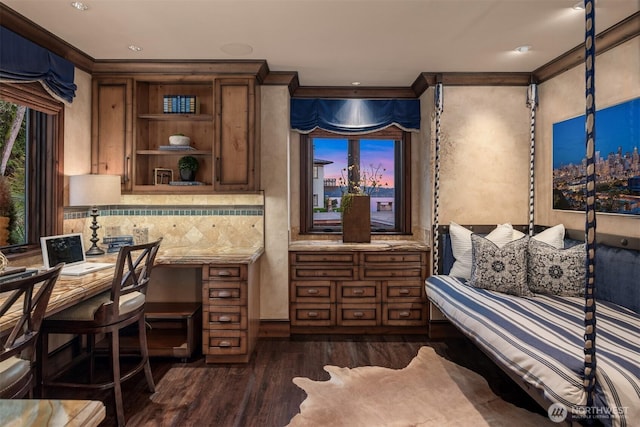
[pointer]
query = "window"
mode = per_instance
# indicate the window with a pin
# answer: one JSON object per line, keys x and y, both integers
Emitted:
{"x": 331, "y": 164}
{"x": 33, "y": 164}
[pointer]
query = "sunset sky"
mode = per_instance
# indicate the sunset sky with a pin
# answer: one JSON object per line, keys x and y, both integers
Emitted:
{"x": 372, "y": 152}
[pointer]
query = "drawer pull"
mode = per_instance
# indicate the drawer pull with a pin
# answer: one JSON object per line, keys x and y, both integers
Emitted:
{"x": 224, "y": 273}
{"x": 224, "y": 344}
{"x": 224, "y": 294}
{"x": 358, "y": 291}
{"x": 358, "y": 314}
{"x": 404, "y": 314}
{"x": 224, "y": 319}
{"x": 312, "y": 291}
{"x": 403, "y": 291}
{"x": 312, "y": 314}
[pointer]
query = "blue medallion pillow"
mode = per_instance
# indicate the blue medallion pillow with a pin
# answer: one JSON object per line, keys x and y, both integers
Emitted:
{"x": 553, "y": 271}
{"x": 500, "y": 269}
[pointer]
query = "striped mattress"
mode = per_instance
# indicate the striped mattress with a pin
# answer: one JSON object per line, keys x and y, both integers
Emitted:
{"x": 540, "y": 339}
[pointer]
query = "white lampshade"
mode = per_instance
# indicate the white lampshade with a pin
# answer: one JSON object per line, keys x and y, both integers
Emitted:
{"x": 94, "y": 190}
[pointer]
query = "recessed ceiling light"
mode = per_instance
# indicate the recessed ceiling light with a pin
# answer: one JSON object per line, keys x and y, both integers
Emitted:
{"x": 135, "y": 48}
{"x": 237, "y": 49}
{"x": 523, "y": 49}
{"x": 356, "y": 83}
{"x": 79, "y": 5}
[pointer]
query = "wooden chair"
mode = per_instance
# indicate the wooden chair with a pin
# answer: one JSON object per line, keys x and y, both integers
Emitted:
{"x": 17, "y": 355}
{"x": 107, "y": 313}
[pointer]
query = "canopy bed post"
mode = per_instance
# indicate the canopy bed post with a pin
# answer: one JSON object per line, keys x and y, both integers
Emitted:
{"x": 439, "y": 101}
{"x": 589, "y": 381}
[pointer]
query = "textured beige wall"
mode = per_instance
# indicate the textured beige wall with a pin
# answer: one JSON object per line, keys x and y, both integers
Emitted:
{"x": 77, "y": 128}
{"x": 274, "y": 277}
{"x": 561, "y": 98}
{"x": 484, "y": 155}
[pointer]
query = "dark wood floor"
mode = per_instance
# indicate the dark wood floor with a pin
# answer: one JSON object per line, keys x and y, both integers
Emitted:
{"x": 261, "y": 392}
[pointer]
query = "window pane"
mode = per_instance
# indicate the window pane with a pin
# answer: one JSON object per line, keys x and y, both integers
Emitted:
{"x": 13, "y": 158}
{"x": 371, "y": 170}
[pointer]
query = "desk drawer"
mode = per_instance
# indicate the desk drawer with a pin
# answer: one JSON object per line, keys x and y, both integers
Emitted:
{"x": 392, "y": 272}
{"x": 219, "y": 342}
{"x": 226, "y": 317}
{"x": 313, "y": 291}
{"x": 224, "y": 272}
{"x": 224, "y": 293}
{"x": 338, "y": 272}
{"x": 312, "y": 315}
{"x": 358, "y": 315}
{"x": 394, "y": 257}
{"x": 359, "y": 291}
{"x": 404, "y": 314}
{"x": 330, "y": 258}
{"x": 403, "y": 291}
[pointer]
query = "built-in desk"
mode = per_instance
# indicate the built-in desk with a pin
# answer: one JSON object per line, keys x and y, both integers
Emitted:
{"x": 231, "y": 296}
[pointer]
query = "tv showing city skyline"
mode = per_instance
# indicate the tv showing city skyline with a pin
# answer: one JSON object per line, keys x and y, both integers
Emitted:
{"x": 617, "y": 161}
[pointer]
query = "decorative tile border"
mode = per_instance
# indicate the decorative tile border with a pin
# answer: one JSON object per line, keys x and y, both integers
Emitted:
{"x": 156, "y": 210}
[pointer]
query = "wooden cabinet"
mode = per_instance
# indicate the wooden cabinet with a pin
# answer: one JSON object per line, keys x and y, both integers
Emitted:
{"x": 131, "y": 130}
{"x": 112, "y": 129}
{"x": 363, "y": 291}
{"x": 230, "y": 311}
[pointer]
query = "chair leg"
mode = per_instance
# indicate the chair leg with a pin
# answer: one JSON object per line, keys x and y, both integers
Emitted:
{"x": 42, "y": 353}
{"x": 144, "y": 351}
{"x": 115, "y": 368}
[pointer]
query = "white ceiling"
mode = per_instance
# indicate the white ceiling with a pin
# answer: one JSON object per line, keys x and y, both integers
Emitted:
{"x": 330, "y": 42}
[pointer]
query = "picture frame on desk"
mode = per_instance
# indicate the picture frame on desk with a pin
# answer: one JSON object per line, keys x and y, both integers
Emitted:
{"x": 162, "y": 176}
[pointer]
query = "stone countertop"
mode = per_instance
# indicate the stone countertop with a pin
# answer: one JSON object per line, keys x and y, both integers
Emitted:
{"x": 53, "y": 413}
{"x": 199, "y": 255}
{"x": 375, "y": 245}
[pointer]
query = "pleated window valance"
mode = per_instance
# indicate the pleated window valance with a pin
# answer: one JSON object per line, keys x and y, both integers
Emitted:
{"x": 22, "y": 61}
{"x": 353, "y": 116}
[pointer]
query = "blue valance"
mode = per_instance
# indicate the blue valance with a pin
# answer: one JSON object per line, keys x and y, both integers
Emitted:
{"x": 22, "y": 61}
{"x": 353, "y": 116}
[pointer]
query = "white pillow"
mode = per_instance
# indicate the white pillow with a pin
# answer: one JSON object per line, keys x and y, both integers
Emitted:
{"x": 462, "y": 249}
{"x": 553, "y": 236}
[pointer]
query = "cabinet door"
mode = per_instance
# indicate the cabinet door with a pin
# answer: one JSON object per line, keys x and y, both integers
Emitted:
{"x": 236, "y": 143}
{"x": 111, "y": 129}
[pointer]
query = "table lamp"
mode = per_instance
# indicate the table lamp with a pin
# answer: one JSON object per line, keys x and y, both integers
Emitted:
{"x": 94, "y": 191}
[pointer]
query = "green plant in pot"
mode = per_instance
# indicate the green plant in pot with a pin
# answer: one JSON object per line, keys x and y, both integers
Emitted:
{"x": 188, "y": 166}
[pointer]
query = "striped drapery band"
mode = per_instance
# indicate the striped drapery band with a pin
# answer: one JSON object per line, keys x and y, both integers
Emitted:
{"x": 532, "y": 102}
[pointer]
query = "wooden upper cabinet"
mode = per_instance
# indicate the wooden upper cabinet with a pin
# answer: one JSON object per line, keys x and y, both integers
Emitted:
{"x": 236, "y": 143}
{"x": 131, "y": 128}
{"x": 112, "y": 129}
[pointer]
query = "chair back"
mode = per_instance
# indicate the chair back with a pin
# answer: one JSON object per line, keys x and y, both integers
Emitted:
{"x": 32, "y": 294}
{"x": 132, "y": 273}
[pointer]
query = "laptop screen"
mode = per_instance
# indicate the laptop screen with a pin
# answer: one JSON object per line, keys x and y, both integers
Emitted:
{"x": 67, "y": 248}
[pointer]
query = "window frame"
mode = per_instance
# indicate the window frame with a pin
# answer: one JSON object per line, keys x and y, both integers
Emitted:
{"x": 403, "y": 216}
{"x": 45, "y": 166}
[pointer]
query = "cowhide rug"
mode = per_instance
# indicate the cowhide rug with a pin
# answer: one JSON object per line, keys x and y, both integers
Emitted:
{"x": 431, "y": 391}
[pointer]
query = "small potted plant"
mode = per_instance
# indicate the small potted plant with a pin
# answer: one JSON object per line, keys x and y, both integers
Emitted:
{"x": 188, "y": 165}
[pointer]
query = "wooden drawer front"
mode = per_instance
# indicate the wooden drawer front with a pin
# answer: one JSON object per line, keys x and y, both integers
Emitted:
{"x": 323, "y": 257}
{"x": 405, "y": 314}
{"x": 219, "y": 342}
{"x": 224, "y": 272}
{"x": 403, "y": 290}
{"x": 312, "y": 315}
{"x": 225, "y": 293}
{"x": 358, "y": 314}
{"x": 323, "y": 272}
{"x": 231, "y": 317}
{"x": 394, "y": 257}
{"x": 359, "y": 292}
{"x": 394, "y": 272}
{"x": 321, "y": 291}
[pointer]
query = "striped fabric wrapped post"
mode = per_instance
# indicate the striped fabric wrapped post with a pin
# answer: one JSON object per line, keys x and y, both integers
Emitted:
{"x": 532, "y": 102}
{"x": 590, "y": 226}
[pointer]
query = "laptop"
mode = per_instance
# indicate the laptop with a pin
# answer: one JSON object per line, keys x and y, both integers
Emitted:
{"x": 69, "y": 248}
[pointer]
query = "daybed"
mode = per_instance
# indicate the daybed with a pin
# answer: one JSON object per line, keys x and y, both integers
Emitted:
{"x": 538, "y": 339}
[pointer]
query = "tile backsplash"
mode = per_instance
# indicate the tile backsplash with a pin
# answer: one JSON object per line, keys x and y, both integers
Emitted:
{"x": 182, "y": 220}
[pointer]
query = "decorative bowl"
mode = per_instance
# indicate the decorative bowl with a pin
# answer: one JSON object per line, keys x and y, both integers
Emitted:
{"x": 179, "y": 140}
